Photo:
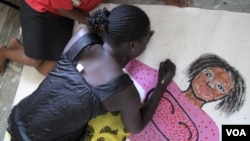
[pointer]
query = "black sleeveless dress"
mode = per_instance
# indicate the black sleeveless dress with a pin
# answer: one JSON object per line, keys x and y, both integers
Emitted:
{"x": 60, "y": 108}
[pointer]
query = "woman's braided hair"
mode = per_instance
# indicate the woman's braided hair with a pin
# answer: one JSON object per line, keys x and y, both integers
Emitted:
{"x": 121, "y": 24}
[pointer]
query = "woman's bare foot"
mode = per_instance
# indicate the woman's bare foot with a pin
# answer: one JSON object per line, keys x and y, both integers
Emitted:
{"x": 179, "y": 3}
{"x": 15, "y": 44}
{"x": 3, "y": 60}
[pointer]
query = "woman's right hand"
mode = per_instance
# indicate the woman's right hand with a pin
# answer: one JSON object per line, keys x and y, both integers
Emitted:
{"x": 166, "y": 72}
{"x": 136, "y": 116}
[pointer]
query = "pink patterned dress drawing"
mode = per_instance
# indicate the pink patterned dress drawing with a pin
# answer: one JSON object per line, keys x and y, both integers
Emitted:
{"x": 176, "y": 119}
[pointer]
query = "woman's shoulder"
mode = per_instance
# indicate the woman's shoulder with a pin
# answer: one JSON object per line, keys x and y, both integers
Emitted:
{"x": 78, "y": 34}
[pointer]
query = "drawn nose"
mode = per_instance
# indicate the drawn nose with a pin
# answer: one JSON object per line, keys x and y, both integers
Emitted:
{"x": 211, "y": 83}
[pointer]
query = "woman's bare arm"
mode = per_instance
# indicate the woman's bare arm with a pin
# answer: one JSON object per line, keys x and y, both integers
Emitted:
{"x": 165, "y": 76}
{"x": 74, "y": 14}
{"x": 136, "y": 116}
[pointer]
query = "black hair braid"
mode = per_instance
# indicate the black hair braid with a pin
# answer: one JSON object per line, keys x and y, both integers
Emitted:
{"x": 99, "y": 21}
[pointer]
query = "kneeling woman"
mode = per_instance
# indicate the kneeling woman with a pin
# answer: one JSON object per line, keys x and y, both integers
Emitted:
{"x": 89, "y": 81}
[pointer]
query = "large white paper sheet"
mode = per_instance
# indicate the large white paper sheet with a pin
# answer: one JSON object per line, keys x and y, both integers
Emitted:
{"x": 183, "y": 35}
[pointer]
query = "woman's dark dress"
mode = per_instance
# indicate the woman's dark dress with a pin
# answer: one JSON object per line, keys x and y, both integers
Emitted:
{"x": 59, "y": 109}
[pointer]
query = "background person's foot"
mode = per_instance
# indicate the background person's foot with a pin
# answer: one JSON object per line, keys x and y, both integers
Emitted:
{"x": 15, "y": 43}
{"x": 3, "y": 61}
{"x": 179, "y": 3}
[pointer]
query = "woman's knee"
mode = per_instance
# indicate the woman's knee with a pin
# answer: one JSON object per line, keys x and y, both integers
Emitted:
{"x": 34, "y": 62}
{"x": 45, "y": 67}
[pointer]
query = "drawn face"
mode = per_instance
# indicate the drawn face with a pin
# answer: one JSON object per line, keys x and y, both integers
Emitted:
{"x": 212, "y": 84}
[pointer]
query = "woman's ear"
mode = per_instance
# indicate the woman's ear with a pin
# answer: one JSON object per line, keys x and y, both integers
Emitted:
{"x": 152, "y": 32}
{"x": 132, "y": 46}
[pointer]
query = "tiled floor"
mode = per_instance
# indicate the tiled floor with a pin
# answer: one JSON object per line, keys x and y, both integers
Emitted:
{"x": 10, "y": 27}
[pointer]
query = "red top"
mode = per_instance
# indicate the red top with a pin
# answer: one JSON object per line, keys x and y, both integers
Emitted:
{"x": 51, "y": 5}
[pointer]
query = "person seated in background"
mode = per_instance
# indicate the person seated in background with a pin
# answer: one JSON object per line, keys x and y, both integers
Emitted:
{"x": 47, "y": 26}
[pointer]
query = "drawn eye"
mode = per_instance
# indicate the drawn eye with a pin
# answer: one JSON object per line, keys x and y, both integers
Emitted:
{"x": 208, "y": 73}
{"x": 221, "y": 87}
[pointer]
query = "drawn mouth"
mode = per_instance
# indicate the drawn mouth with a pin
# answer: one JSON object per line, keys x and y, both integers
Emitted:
{"x": 205, "y": 91}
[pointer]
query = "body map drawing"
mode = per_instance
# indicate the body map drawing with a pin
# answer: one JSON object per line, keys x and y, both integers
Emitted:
{"x": 179, "y": 113}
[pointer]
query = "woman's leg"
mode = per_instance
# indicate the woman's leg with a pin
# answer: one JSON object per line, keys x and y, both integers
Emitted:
{"x": 46, "y": 66}
{"x": 15, "y": 52}
{"x": 2, "y": 59}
